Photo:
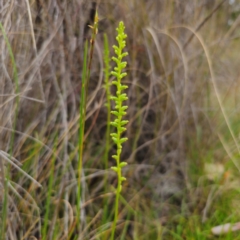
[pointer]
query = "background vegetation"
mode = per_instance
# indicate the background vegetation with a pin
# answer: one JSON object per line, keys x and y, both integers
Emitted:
{"x": 183, "y": 138}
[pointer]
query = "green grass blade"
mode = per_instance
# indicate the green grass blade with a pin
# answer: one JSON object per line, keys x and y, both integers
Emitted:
{"x": 17, "y": 90}
{"x": 49, "y": 192}
{"x": 81, "y": 129}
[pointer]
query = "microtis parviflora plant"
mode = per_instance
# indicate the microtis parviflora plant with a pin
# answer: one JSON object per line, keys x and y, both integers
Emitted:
{"x": 119, "y": 112}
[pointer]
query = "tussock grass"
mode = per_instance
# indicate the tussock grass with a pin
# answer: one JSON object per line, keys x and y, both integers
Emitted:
{"x": 183, "y": 105}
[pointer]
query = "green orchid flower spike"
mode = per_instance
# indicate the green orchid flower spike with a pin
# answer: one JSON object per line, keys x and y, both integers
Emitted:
{"x": 119, "y": 112}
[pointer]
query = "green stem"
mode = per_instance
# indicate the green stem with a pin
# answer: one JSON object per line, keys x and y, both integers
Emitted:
{"x": 85, "y": 80}
{"x": 81, "y": 131}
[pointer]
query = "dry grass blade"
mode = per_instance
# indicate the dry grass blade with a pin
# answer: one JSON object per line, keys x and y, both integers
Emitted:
{"x": 19, "y": 169}
{"x": 183, "y": 89}
{"x": 200, "y": 25}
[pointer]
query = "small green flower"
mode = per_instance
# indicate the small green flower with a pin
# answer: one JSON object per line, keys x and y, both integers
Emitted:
{"x": 120, "y": 109}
